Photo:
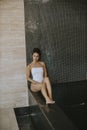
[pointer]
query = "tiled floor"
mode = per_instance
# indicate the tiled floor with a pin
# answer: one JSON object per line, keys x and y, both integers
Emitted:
{"x": 8, "y": 119}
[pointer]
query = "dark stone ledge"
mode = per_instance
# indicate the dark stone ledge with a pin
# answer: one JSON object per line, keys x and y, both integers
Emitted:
{"x": 54, "y": 115}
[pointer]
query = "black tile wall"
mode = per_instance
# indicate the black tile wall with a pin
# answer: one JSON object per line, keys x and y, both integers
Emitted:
{"x": 59, "y": 29}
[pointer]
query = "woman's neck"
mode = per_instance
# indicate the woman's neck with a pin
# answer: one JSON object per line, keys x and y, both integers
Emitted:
{"x": 35, "y": 62}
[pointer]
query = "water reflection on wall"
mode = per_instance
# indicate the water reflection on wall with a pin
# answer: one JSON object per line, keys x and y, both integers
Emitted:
{"x": 59, "y": 29}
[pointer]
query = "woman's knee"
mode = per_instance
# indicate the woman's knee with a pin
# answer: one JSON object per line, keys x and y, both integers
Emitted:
{"x": 35, "y": 89}
{"x": 46, "y": 79}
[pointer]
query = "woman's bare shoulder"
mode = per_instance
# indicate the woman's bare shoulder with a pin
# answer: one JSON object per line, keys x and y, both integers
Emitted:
{"x": 29, "y": 65}
{"x": 42, "y": 63}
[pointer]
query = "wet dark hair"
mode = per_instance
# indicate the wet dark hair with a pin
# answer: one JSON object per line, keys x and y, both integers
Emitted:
{"x": 36, "y": 50}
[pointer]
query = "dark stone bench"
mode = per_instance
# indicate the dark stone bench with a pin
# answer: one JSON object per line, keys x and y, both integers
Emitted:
{"x": 54, "y": 115}
{"x": 40, "y": 116}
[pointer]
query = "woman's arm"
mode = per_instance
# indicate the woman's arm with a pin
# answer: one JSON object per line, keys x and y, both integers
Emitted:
{"x": 45, "y": 70}
{"x": 28, "y": 71}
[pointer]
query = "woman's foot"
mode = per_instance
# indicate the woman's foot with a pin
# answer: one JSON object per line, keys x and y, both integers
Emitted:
{"x": 50, "y": 101}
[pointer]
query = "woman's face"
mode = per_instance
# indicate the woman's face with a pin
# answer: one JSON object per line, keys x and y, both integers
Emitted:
{"x": 35, "y": 56}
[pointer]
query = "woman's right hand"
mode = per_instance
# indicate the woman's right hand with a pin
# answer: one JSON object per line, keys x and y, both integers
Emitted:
{"x": 37, "y": 84}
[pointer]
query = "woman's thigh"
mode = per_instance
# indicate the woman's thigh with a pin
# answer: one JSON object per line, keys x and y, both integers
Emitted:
{"x": 35, "y": 88}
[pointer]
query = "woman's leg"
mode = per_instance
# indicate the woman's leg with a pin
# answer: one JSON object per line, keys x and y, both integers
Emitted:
{"x": 49, "y": 89}
{"x": 46, "y": 93}
{"x": 36, "y": 88}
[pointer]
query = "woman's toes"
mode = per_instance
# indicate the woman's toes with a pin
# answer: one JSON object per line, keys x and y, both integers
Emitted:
{"x": 50, "y": 102}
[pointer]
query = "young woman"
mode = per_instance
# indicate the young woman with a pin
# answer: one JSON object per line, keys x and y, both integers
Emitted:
{"x": 36, "y": 73}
